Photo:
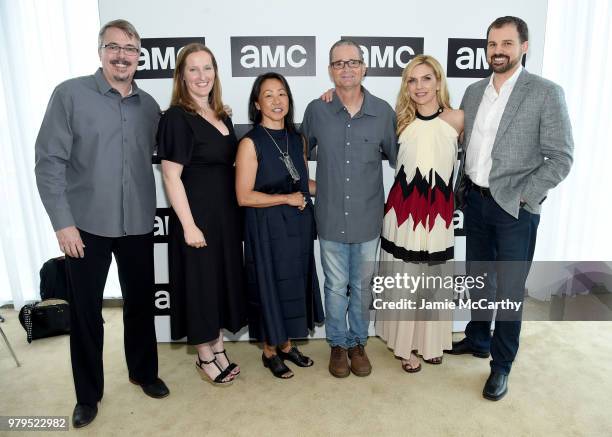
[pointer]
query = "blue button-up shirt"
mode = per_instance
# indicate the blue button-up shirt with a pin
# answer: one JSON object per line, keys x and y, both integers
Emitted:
{"x": 350, "y": 195}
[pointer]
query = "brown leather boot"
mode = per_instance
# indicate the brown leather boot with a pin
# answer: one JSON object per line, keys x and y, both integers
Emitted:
{"x": 360, "y": 364}
{"x": 338, "y": 363}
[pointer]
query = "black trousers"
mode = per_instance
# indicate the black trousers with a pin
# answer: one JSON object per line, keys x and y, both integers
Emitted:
{"x": 501, "y": 246}
{"x": 86, "y": 280}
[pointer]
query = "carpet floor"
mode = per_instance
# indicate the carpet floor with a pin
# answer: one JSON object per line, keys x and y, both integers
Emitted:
{"x": 561, "y": 385}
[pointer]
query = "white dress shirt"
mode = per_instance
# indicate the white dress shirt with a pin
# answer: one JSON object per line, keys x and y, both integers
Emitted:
{"x": 490, "y": 111}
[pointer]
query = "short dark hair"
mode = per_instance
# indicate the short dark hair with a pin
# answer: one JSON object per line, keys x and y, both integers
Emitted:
{"x": 255, "y": 114}
{"x": 521, "y": 26}
{"x": 345, "y": 42}
{"x": 124, "y": 25}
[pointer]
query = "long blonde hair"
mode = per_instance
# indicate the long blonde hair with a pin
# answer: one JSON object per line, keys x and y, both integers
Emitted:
{"x": 180, "y": 95}
{"x": 406, "y": 107}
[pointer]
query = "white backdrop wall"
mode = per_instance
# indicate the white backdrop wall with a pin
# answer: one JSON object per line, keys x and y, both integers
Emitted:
{"x": 294, "y": 39}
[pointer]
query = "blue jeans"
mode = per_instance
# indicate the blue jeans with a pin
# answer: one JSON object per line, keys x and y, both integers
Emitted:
{"x": 493, "y": 235}
{"x": 347, "y": 266}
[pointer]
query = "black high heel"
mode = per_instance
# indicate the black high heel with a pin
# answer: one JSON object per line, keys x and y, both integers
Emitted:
{"x": 276, "y": 366}
{"x": 295, "y": 356}
{"x": 232, "y": 367}
{"x": 219, "y": 380}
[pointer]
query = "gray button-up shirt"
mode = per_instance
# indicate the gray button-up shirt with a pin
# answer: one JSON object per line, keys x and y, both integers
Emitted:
{"x": 350, "y": 196}
{"x": 94, "y": 158}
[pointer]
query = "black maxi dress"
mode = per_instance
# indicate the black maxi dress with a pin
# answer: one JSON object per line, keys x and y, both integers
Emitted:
{"x": 284, "y": 300}
{"x": 207, "y": 287}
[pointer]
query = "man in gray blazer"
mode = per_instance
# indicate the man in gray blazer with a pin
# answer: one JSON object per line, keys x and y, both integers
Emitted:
{"x": 518, "y": 145}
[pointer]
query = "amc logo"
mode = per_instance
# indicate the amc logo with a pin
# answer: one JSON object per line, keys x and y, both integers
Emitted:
{"x": 288, "y": 55}
{"x": 387, "y": 56}
{"x": 158, "y": 56}
{"x": 468, "y": 58}
{"x": 160, "y": 226}
{"x": 458, "y": 223}
{"x": 161, "y": 299}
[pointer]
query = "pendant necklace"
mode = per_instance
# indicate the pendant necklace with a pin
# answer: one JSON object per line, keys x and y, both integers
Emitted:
{"x": 285, "y": 158}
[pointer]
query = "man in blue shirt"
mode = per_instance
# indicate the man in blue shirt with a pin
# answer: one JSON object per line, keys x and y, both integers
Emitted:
{"x": 350, "y": 135}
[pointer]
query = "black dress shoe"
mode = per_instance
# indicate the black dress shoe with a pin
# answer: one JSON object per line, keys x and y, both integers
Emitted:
{"x": 496, "y": 386}
{"x": 155, "y": 389}
{"x": 83, "y": 415}
{"x": 462, "y": 347}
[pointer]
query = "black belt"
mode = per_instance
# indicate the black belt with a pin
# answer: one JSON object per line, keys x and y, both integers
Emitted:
{"x": 483, "y": 191}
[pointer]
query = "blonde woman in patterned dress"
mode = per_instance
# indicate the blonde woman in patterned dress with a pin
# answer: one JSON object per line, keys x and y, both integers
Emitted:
{"x": 418, "y": 223}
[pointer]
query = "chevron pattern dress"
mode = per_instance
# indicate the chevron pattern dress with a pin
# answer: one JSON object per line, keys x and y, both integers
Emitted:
{"x": 418, "y": 235}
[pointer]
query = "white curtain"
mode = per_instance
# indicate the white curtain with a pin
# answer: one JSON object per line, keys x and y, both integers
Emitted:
{"x": 578, "y": 56}
{"x": 42, "y": 43}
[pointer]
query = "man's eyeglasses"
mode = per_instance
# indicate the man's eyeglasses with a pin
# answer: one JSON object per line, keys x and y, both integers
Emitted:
{"x": 115, "y": 49}
{"x": 352, "y": 63}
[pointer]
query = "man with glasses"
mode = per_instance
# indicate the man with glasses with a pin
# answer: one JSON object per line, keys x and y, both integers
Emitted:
{"x": 350, "y": 134}
{"x": 95, "y": 178}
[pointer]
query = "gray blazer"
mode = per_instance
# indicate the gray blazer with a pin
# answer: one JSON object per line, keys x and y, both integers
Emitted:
{"x": 533, "y": 148}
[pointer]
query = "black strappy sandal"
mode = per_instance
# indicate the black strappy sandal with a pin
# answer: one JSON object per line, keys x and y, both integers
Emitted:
{"x": 219, "y": 380}
{"x": 295, "y": 356}
{"x": 435, "y": 360}
{"x": 276, "y": 366}
{"x": 408, "y": 367}
{"x": 232, "y": 367}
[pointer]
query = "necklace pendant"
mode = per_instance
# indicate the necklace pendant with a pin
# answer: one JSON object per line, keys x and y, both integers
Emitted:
{"x": 285, "y": 158}
{"x": 295, "y": 175}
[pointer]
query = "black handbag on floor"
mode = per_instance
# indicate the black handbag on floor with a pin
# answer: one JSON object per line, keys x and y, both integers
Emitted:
{"x": 45, "y": 319}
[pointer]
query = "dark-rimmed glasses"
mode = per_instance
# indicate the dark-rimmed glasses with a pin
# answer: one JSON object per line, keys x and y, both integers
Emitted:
{"x": 352, "y": 63}
{"x": 115, "y": 49}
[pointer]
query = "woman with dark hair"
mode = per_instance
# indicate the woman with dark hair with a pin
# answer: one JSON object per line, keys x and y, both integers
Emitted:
{"x": 272, "y": 183}
{"x": 197, "y": 146}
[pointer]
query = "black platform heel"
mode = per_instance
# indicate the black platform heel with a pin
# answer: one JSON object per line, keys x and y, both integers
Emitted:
{"x": 219, "y": 380}
{"x": 295, "y": 356}
{"x": 232, "y": 367}
{"x": 276, "y": 366}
